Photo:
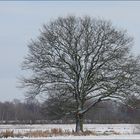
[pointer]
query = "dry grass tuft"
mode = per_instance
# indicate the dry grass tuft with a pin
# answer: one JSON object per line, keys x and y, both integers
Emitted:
{"x": 7, "y": 133}
{"x": 56, "y": 131}
{"x": 84, "y": 133}
{"x": 37, "y": 133}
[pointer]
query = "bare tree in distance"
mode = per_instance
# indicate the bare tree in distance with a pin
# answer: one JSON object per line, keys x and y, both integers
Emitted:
{"x": 84, "y": 59}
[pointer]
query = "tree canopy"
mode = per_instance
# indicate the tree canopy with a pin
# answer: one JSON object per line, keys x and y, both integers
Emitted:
{"x": 84, "y": 59}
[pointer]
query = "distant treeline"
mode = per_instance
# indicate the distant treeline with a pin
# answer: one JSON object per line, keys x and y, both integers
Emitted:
{"x": 17, "y": 112}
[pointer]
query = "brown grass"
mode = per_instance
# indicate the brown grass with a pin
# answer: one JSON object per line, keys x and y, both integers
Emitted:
{"x": 37, "y": 133}
{"x": 7, "y": 133}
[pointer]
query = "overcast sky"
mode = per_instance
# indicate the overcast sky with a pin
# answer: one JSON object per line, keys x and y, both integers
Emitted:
{"x": 20, "y": 22}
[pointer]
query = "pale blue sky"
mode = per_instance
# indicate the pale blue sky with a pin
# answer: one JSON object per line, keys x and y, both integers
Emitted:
{"x": 21, "y": 20}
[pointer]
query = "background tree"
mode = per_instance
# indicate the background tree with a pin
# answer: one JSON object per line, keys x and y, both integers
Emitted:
{"x": 86, "y": 59}
{"x": 57, "y": 106}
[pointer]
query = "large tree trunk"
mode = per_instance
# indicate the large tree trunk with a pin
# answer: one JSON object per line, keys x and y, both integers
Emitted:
{"x": 79, "y": 122}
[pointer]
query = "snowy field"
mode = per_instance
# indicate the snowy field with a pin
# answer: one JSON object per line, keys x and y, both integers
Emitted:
{"x": 125, "y": 131}
{"x": 120, "y": 137}
{"x": 98, "y": 128}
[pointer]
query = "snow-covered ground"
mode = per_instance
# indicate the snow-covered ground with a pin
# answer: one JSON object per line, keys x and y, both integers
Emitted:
{"x": 98, "y": 128}
{"x": 125, "y": 131}
{"x": 112, "y": 137}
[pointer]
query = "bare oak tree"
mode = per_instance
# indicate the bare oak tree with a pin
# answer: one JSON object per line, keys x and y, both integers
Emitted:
{"x": 84, "y": 59}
